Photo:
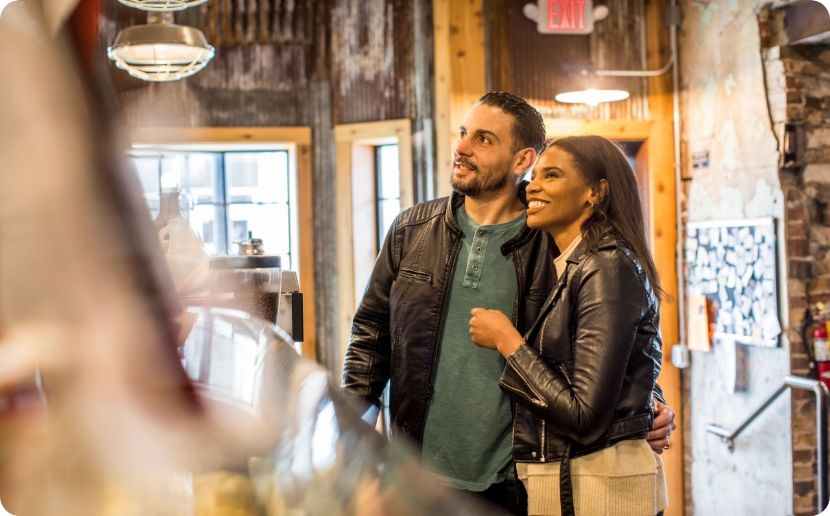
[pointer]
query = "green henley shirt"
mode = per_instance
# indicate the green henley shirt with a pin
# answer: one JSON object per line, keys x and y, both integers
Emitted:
{"x": 468, "y": 437}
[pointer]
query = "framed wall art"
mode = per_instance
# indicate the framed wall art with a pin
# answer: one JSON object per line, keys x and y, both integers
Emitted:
{"x": 734, "y": 263}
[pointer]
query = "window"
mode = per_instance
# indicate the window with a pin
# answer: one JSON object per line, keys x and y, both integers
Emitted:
{"x": 387, "y": 188}
{"x": 227, "y": 195}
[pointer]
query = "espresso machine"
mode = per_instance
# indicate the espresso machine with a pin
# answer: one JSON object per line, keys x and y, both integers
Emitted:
{"x": 257, "y": 284}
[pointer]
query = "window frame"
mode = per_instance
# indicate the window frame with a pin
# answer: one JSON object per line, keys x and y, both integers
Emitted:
{"x": 355, "y": 163}
{"x": 297, "y": 140}
{"x": 380, "y": 229}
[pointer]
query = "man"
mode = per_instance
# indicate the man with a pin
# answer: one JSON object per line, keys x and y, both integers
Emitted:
{"x": 440, "y": 259}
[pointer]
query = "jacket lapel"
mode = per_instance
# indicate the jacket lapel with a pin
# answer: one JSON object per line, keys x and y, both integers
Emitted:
{"x": 554, "y": 295}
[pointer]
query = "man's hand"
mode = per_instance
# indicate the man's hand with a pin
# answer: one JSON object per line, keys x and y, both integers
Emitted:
{"x": 659, "y": 438}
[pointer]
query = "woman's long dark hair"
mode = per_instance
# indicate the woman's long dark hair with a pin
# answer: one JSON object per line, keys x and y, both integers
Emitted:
{"x": 619, "y": 209}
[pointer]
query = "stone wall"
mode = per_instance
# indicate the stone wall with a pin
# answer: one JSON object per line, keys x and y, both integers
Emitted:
{"x": 727, "y": 131}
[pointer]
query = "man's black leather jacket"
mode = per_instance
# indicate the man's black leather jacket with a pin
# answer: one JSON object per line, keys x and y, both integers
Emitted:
{"x": 398, "y": 325}
{"x": 586, "y": 375}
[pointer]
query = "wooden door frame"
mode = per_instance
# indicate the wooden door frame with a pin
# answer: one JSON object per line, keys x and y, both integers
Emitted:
{"x": 298, "y": 138}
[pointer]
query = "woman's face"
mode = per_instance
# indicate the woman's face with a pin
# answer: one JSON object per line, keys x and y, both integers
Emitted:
{"x": 558, "y": 198}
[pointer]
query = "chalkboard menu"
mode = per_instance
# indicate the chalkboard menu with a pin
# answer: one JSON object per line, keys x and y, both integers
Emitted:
{"x": 734, "y": 264}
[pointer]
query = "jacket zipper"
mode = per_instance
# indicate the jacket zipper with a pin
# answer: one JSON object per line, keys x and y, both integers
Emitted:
{"x": 437, "y": 339}
{"x": 544, "y": 450}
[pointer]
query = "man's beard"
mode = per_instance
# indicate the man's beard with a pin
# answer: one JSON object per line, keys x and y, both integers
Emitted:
{"x": 487, "y": 179}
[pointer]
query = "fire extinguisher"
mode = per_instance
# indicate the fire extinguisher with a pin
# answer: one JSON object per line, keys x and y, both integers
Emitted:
{"x": 821, "y": 351}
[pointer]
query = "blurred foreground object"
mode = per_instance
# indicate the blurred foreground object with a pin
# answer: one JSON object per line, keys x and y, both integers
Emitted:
{"x": 97, "y": 413}
{"x": 81, "y": 307}
{"x": 313, "y": 454}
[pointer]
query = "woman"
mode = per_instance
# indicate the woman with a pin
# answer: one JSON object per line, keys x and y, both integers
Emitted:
{"x": 582, "y": 377}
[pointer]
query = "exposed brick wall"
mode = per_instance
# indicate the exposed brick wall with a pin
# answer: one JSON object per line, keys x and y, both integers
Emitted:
{"x": 798, "y": 82}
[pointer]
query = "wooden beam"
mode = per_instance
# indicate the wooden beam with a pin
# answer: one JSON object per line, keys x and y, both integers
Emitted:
{"x": 181, "y": 135}
{"x": 664, "y": 235}
{"x": 305, "y": 223}
{"x": 459, "y": 74}
{"x": 618, "y": 130}
{"x": 345, "y": 245}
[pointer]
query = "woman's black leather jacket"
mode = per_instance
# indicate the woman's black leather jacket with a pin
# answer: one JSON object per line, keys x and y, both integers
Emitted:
{"x": 586, "y": 374}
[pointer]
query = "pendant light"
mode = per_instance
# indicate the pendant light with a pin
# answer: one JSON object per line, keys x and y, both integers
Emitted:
{"x": 592, "y": 91}
{"x": 162, "y": 5}
{"x": 161, "y": 51}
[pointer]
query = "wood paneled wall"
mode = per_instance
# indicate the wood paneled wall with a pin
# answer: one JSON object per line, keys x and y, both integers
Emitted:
{"x": 536, "y": 66}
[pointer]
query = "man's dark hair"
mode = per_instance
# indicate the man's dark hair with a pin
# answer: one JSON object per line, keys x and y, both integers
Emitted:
{"x": 528, "y": 125}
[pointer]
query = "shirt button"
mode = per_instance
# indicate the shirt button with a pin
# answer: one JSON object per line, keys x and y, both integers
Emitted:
{"x": 478, "y": 249}
{"x": 482, "y": 233}
{"x": 475, "y": 267}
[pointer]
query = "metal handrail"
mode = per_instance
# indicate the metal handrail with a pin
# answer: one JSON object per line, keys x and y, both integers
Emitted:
{"x": 794, "y": 382}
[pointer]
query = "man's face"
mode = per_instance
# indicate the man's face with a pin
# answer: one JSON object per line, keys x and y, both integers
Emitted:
{"x": 483, "y": 153}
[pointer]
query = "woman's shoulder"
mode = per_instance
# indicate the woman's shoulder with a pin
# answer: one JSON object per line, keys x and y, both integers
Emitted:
{"x": 611, "y": 251}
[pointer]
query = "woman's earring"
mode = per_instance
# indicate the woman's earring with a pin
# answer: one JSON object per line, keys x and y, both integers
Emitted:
{"x": 591, "y": 204}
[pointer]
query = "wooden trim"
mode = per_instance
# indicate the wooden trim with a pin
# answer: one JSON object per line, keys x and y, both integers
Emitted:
{"x": 443, "y": 94}
{"x": 347, "y": 137}
{"x": 373, "y": 133}
{"x": 177, "y": 135}
{"x": 305, "y": 224}
{"x": 300, "y": 139}
{"x": 664, "y": 236}
{"x": 345, "y": 245}
{"x": 619, "y": 130}
{"x": 459, "y": 75}
{"x": 377, "y": 133}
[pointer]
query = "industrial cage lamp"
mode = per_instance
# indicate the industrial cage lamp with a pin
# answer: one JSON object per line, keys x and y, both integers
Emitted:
{"x": 160, "y": 50}
{"x": 162, "y": 5}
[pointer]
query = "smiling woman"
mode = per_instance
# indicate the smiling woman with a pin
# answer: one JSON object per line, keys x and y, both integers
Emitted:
{"x": 582, "y": 378}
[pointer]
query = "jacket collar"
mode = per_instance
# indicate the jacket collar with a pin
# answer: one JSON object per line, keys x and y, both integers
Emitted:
{"x": 606, "y": 241}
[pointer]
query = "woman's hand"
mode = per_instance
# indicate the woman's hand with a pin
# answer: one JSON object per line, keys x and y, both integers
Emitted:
{"x": 491, "y": 329}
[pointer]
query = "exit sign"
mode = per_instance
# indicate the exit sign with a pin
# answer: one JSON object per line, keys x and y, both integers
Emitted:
{"x": 565, "y": 16}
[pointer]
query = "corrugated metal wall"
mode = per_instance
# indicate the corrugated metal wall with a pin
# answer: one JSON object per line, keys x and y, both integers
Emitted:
{"x": 365, "y": 49}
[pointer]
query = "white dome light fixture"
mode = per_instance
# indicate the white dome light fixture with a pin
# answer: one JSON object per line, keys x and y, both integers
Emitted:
{"x": 160, "y": 51}
{"x": 162, "y": 5}
{"x": 591, "y": 96}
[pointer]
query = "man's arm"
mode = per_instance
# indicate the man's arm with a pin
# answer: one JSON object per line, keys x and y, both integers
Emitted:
{"x": 659, "y": 438}
{"x": 366, "y": 368}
